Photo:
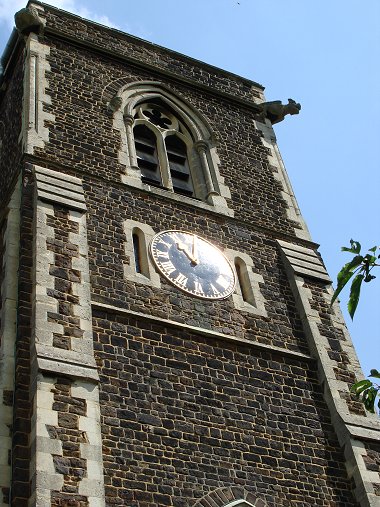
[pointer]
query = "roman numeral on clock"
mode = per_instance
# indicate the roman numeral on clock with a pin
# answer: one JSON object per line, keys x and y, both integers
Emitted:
{"x": 168, "y": 267}
{"x": 164, "y": 242}
{"x": 174, "y": 236}
{"x": 198, "y": 289}
{"x": 181, "y": 280}
{"x": 215, "y": 291}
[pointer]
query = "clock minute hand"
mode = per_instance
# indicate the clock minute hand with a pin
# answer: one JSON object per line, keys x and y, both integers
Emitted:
{"x": 182, "y": 247}
{"x": 195, "y": 248}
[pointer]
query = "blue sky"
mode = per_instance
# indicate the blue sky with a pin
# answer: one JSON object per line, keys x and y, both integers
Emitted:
{"x": 324, "y": 55}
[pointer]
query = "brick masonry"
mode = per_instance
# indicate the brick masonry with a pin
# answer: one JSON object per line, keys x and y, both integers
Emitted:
{"x": 136, "y": 394}
{"x": 11, "y": 95}
{"x": 188, "y": 414}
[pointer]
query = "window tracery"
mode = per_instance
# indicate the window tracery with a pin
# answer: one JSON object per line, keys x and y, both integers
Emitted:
{"x": 166, "y": 146}
{"x": 162, "y": 147}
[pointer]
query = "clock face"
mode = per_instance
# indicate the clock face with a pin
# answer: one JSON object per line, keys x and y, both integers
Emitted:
{"x": 193, "y": 264}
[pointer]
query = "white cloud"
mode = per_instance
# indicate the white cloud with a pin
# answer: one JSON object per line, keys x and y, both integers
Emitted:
{"x": 9, "y": 7}
{"x": 85, "y": 13}
{"x": 7, "y": 10}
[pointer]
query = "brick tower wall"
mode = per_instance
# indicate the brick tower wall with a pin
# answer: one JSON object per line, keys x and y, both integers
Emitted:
{"x": 138, "y": 393}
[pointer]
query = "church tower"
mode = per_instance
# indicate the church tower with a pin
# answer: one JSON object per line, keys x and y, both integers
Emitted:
{"x": 166, "y": 331}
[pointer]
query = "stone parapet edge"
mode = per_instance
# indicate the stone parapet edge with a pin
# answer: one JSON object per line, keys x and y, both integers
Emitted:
{"x": 146, "y": 66}
{"x": 217, "y": 71}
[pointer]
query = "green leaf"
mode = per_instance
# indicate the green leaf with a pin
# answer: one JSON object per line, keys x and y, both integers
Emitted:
{"x": 355, "y": 247}
{"x": 369, "y": 398}
{"x": 349, "y": 267}
{"x": 374, "y": 373}
{"x": 369, "y": 259}
{"x": 360, "y": 386}
{"x": 354, "y": 295}
{"x": 345, "y": 274}
{"x": 373, "y": 249}
{"x": 368, "y": 393}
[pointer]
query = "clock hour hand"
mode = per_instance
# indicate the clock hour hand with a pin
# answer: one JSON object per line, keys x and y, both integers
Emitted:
{"x": 183, "y": 248}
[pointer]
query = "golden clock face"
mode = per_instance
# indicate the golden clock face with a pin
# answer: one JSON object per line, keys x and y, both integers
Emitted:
{"x": 193, "y": 264}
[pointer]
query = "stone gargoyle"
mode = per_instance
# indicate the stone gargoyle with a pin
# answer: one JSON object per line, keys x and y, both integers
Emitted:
{"x": 27, "y": 20}
{"x": 276, "y": 111}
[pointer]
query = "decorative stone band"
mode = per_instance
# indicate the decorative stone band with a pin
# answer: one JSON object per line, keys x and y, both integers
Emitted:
{"x": 303, "y": 261}
{"x": 66, "y": 432}
{"x": 209, "y": 333}
{"x": 330, "y": 344}
{"x": 10, "y": 237}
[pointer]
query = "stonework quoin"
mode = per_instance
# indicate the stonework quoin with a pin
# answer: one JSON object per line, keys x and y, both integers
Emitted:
{"x": 66, "y": 432}
{"x": 36, "y": 118}
{"x": 9, "y": 258}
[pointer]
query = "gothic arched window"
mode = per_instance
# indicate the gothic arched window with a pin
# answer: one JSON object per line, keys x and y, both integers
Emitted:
{"x": 167, "y": 146}
{"x": 163, "y": 145}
